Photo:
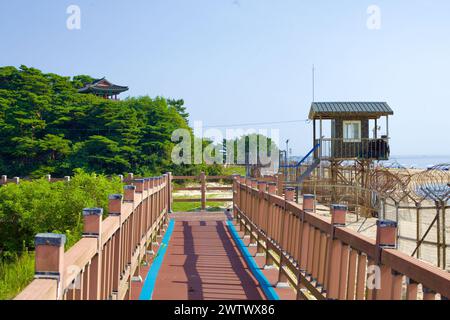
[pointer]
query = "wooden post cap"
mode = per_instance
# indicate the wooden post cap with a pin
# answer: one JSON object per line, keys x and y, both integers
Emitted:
{"x": 289, "y": 194}
{"x": 309, "y": 202}
{"x": 49, "y": 239}
{"x": 92, "y": 221}
{"x": 262, "y": 186}
{"x": 120, "y": 177}
{"x": 272, "y": 187}
{"x": 129, "y": 193}
{"x": 115, "y": 204}
{"x": 338, "y": 215}
{"x": 139, "y": 183}
{"x": 386, "y": 234}
{"x": 67, "y": 178}
{"x": 146, "y": 183}
{"x": 49, "y": 255}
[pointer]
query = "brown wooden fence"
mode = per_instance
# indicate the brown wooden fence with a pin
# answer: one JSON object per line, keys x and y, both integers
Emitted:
{"x": 321, "y": 258}
{"x": 101, "y": 265}
{"x": 5, "y": 180}
{"x": 203, "y": 188}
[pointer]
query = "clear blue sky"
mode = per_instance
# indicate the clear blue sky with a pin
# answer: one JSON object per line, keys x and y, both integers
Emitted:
{"x": 240, "y": 61}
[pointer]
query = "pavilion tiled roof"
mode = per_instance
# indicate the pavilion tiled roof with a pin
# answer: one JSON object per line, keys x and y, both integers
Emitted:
{"x": 102, "y": 85}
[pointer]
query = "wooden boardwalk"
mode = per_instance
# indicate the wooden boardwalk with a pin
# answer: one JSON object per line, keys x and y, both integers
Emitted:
{"x": 202, "y": 262}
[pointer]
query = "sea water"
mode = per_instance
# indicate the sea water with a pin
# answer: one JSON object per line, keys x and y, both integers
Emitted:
{"x": 419, "y": 162}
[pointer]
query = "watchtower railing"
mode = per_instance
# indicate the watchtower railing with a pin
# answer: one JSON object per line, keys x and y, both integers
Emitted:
{"x": 321, "y": 258}
{"x": 339, "y": 148}
{"x": 102, "y": 264}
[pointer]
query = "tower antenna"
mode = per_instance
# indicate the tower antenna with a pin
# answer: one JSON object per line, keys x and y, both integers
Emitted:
{"x": 313, "y": 83}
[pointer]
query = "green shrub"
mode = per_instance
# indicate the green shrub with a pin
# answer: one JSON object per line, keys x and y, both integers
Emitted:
{"x": 38, "y": 206}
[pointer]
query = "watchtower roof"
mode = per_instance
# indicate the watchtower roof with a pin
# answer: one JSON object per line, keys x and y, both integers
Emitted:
{"x": 333, "y": 110}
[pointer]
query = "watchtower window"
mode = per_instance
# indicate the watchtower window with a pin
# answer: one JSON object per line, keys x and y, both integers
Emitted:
{"x": 352, "y": 131}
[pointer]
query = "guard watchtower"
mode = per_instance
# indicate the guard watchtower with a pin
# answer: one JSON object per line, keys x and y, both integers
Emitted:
{"x": 350, "y": 137}
{"x": 355, "y": 141}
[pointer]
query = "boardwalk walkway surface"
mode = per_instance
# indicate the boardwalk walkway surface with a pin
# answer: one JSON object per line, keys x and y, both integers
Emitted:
{"x": 203, "y": 262}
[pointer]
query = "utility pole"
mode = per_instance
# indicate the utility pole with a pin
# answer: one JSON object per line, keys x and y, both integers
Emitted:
{"x": 287, "y": 151}
{"x": 286, "y": 161}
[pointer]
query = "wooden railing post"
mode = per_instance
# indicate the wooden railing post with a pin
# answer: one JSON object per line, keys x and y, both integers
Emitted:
{"x": 386, "y": 239}
{"x": 338, "y": 217}
{"x": 271, "y": 189}
{"x": 203, "y": 190}
{"x": 169, "y": 192}
{"x": 49, "y": 259}
{"x": 16, "y": 180}
{"x": 280, "y": 184}
{"x": 115, "y": 210}
{"x": 236, "y": 180}
{"x": 289, "y": 194}
{"x": 139, "y": 183}
{"x": 48, "y": 177}
{"x": 428, "y": 294}
{"x": 386, "y": 234}
{"x": 93, "y": 229}
{"x": 129, "y": 178}
{"x": 4, "y": 179}
{"x": 282, "y": 277}
{"x": 129, "y": 192}
{"x": 309, "y": 203}
{"x": 67, "y": 178}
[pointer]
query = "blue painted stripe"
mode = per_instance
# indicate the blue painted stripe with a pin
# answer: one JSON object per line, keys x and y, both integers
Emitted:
{"x": 268, "y": 289}
{"x": 150, "y": 280}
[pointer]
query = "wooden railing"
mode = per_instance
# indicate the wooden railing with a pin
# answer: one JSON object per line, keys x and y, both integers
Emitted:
{"x": 203, "y": 188}
{"x": 16, "y": 180}
{"x": 321, "y": 258}
{"x": 4, "y": 180}
{"x": 102, "y": 264}
{"x": 339, "y": 148}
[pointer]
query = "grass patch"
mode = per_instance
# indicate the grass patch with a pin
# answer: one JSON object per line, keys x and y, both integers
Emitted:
{"x": 228, "y": 171}
{"x": 16, "y": 274}
{"x": 196, "y": 206}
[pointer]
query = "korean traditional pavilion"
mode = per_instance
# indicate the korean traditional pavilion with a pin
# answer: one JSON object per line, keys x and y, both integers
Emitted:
{"x": 103, "y": 88}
